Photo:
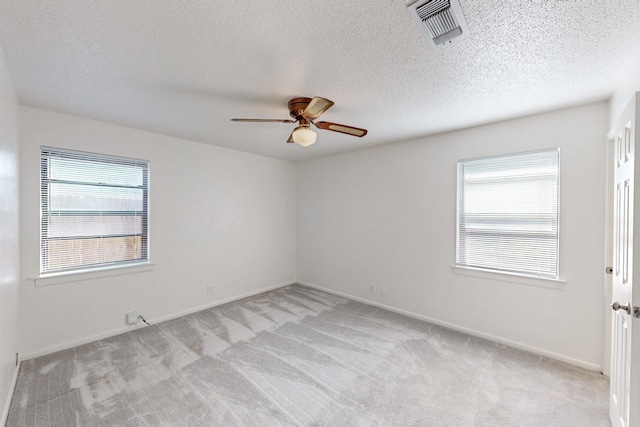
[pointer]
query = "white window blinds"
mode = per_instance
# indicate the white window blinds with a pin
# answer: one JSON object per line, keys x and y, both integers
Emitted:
{"x": 94, "y": 210}
{"x": 508, "y": 213}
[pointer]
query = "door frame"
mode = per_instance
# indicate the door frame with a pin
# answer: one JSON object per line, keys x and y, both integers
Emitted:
{"x": 607, "y": 279}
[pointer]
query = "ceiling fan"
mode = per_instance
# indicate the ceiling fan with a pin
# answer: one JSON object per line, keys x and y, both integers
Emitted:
{"x": 305, "y": 111}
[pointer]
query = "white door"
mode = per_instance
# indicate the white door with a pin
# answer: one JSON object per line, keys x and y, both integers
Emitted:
{"x": 625, "y": 341}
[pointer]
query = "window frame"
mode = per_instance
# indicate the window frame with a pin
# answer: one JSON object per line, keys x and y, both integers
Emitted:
{"x": 555, "y": 220}
{"x": 46, "y": 154}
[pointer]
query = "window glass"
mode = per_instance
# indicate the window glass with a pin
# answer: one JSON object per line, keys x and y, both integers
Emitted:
{"x": 507, "y": 213}
{"x": 94, "y": 210}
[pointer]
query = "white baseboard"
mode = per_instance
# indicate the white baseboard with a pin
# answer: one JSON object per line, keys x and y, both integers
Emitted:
{"x": 506, "y": 342}
{"x": 473, "y": 332}
{"x": 125, "y": 329}
{"x": 12, "y": 387}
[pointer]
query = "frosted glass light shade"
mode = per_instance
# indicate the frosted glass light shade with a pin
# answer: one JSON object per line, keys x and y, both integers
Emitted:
{"x": 303, "y": 136}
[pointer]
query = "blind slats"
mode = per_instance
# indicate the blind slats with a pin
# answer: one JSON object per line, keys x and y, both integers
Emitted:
{"x": 508, "y": 213}
{"x": 94, "y": 210}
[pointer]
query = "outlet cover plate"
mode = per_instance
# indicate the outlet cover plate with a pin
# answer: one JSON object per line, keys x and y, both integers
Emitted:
{"x": 132, "y": 317}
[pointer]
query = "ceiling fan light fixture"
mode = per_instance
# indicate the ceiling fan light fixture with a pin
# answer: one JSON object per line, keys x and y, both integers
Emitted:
{"x": 303, "y": 136}
{"x": 304, "y": 111}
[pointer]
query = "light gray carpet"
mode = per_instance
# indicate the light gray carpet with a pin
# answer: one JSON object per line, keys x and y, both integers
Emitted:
{"x": 298, "y": 356}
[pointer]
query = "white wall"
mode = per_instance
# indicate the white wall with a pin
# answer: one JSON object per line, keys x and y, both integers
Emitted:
{"x": 9, "y": 237}
{"x": 217, "y": 217}
{"x": 626, "y": 86}
{"x": 386, "y": 215}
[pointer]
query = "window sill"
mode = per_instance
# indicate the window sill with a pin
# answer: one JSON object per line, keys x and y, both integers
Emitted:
{"x": 543, "y": 282}
{"x": 90, "y": 274}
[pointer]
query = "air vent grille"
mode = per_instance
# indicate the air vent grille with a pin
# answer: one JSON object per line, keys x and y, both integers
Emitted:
{"x": 436, "y": 16}
{"x": 442, "y": 20}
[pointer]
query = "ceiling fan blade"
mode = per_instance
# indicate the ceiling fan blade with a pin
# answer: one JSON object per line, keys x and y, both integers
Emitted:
{"x": 264, "y": 120}
{"x": 349, "y": 130}
{"x": 316, "y": 107}
{"x": 290, "y": 140}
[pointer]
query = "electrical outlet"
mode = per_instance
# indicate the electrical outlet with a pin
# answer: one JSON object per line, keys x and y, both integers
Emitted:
{"x": 132, "y": 317}
{"x": 372, "y": 289}
{"x": 383, "y": 292}
{"x": 209, "y": 290}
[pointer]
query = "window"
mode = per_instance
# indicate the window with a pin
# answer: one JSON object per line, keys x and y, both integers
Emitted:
{"x": 94, "y": 210}
{"x": 508, "y": 213}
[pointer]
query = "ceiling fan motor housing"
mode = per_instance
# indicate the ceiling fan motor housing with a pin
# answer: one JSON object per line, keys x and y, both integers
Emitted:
{"x": 297, "y": 107}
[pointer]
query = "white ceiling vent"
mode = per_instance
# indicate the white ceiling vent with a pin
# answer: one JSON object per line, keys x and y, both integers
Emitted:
{"x": 442, "y": 20}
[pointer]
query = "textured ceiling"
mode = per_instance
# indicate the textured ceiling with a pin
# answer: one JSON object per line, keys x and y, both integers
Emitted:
{"x": 184, "y": 68}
